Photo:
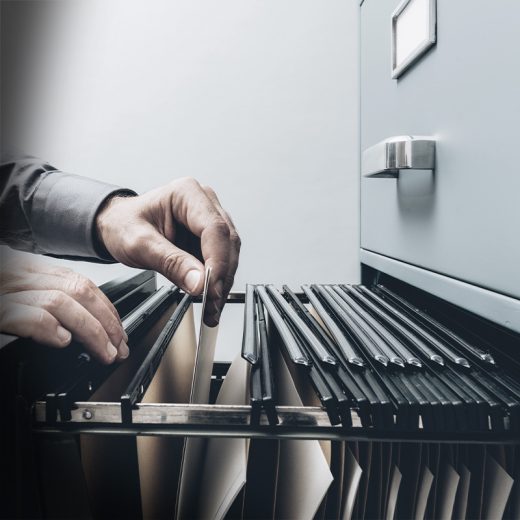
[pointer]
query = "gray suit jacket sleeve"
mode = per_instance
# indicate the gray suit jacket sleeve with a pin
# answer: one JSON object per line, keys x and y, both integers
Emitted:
{"x": 44, "y": 210}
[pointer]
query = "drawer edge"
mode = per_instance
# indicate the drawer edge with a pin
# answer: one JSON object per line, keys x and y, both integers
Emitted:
{"x": 493, "y": 306}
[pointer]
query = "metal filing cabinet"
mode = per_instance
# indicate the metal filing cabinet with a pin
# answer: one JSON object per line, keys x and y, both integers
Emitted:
{"x": 460, "y": 222}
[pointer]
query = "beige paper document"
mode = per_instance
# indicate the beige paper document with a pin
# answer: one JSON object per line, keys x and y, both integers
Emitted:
{"x": 351, "y": 480}
{"x": 461, "y": 499}
{"x": 110, "y": 462}
{"x": 447, "y": 492}
{"x": 194, "y": 447}
{"x": 160, "y": 457}
{"x": 225, "y": 465}
{"x": 309, "y": 397}
{"x": 304, "y": 474}
{"x": 423, "y": 493}
{"x": 497, "y": 487}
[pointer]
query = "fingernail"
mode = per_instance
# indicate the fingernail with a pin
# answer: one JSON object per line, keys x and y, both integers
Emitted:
{"x": 125, "y": 336}
{"x": 191, "y": 281}
{"x": 111, "y": 352}
{"x": 63, "y": 335}
{"x": 123, "y": 350}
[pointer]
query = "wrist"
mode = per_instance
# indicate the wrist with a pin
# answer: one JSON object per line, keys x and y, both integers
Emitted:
{"x": 104, "y": 222}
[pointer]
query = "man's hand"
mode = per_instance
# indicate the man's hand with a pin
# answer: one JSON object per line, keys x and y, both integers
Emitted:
{"x": 53, "y": 304}
{"x": 175, "y": 230}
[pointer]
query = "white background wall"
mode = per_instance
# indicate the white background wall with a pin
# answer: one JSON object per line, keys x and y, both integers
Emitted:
{"x": 256, "y": 98}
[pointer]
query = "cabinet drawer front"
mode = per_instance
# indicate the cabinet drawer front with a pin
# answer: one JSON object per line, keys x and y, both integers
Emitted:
{"x": 463, "y": 219}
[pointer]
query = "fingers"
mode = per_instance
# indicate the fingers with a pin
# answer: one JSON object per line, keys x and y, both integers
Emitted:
{"x": 234, "y": 253}
{"x": 85, "y": 292}
{"x": 26, "y": 321}
{"x": 80, "y": 289}
{"x": 200, "y": 211}
{"x": 215, "y": 247}
{"x": 72, "y": 317}
{"x": 146, "y": 232}
{"x": 192, "y": 208}
{"x": 77, "y": 286}
{"x": 181, "y": 268}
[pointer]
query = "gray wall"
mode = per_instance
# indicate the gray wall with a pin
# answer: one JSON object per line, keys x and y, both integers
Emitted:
{"x": 256, "y": 98}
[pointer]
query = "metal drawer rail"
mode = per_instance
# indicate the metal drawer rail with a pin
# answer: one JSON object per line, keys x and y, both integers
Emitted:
{"x": 235, "y": 421}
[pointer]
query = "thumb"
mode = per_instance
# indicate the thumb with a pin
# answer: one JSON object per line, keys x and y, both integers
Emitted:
{"x": 181, "y": 268}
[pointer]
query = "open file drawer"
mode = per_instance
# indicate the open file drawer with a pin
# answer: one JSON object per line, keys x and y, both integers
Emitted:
{"x": 460, "y": 220}
{"x": 61, "y": 416}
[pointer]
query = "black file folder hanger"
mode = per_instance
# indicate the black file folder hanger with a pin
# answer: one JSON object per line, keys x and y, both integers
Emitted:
{"x": 321, "y": 361}
{"x": 143, "y": 377}
{"x": 333, "y": 334}
{"x": 255, "y": 349}
{"x": 321, "y": 365}
{"x": 86, "y": 376}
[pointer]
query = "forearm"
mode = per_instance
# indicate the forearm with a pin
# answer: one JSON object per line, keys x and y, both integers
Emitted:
{"x": 44, "y": 210}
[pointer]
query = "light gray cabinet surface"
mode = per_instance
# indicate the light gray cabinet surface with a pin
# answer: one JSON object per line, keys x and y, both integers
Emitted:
{"x": 462, "y": 221}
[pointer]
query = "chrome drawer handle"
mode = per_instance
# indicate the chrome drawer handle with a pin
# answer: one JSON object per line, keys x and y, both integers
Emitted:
{"x": 403, "y": 152}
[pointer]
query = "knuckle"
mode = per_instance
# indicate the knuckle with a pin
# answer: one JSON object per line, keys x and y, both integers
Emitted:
{"x": 80, "y": 322}
{"x": 236, "y": 241}
{"x": 99, "y": 333}
{"x": 171, "y": 263}
{"x": 187, "y": 182}
{"x": 42, "y": 319}
{"x": 42, "y": 323}
{"x": 114, "y": 312}
{"x": 210, "y": 191}
{"x": 54, "y": 300}
{"x": 93, "y": 334}
{"x": 113, "y": 328}
{"x": 221, "y": 228}
{"x": 81, "y": 288}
